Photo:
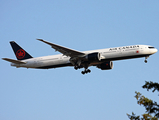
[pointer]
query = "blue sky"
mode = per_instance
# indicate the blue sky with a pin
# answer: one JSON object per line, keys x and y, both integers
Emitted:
{"x": 64, "y": 93}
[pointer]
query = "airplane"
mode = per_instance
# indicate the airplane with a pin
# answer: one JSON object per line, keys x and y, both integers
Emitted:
{"x": 102, "y": 58}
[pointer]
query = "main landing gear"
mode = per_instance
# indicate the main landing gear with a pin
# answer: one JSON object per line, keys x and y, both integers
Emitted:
{"x": 77, "y": 67}
{"x": 86, "y": 71}
{"x": 146, "y": 59}
{"x": 83, "y": 72}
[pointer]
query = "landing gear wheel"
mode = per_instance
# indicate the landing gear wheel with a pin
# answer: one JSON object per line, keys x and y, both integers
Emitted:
{"x": 145, "y": 61}
{"x": 86, "y": 71}
{"x": 75, "y": 67}
{"x": 83, "y": 72}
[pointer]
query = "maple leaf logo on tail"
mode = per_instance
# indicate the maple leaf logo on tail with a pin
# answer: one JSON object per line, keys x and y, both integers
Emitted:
{"x": 20, "y": 54}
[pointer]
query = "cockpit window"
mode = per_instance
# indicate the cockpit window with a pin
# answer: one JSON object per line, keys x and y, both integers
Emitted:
{"x": 151, "y": 47}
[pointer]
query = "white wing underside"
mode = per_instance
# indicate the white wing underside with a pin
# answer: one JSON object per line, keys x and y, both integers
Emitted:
{"x": 65, "y": 51}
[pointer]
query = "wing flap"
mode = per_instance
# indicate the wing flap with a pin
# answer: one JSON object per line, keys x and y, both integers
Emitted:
{"x": 14, "y": 61}
{"x": 63, "y": 50}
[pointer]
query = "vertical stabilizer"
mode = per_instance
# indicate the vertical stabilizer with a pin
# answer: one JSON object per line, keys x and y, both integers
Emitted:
{"x": 20, "y": 53}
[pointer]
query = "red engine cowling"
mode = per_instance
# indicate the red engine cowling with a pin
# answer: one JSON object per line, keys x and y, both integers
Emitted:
{"x": 106, "y": 65}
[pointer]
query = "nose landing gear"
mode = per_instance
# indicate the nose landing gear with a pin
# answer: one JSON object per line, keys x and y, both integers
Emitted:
{"x": 146, "y": 59}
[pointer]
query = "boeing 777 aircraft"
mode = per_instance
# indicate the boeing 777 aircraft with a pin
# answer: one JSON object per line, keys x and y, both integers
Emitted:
{"x": 102, "y": 58}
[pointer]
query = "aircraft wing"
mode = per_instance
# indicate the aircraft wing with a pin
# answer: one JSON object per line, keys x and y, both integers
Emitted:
{"x": 64, "y": 50}
{"x": 14, "y": 61}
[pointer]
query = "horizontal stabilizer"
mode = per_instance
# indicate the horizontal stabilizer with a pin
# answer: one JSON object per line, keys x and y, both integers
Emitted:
{"x": 14, "y": 61}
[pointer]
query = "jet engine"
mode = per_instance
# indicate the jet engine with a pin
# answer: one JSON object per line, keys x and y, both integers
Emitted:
{"x": 93, "y": 57}
{"x": 106, "y": 65}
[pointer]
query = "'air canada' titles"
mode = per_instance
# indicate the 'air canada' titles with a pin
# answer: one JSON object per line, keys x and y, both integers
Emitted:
{"x": 126, "y": 47}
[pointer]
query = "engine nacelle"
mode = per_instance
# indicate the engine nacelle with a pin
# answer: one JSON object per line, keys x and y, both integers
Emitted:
{"x": 93, "y": 57}
{"x": 106, "y": 65}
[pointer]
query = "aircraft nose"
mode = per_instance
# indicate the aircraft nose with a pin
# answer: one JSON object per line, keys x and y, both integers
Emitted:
{"x": 154, "y": 51}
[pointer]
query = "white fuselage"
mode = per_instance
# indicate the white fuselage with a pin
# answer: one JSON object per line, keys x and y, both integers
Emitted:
{"x": 109, "y": 54}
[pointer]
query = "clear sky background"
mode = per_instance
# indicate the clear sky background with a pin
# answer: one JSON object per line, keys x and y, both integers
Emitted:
{"x": 64, "y": 93}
